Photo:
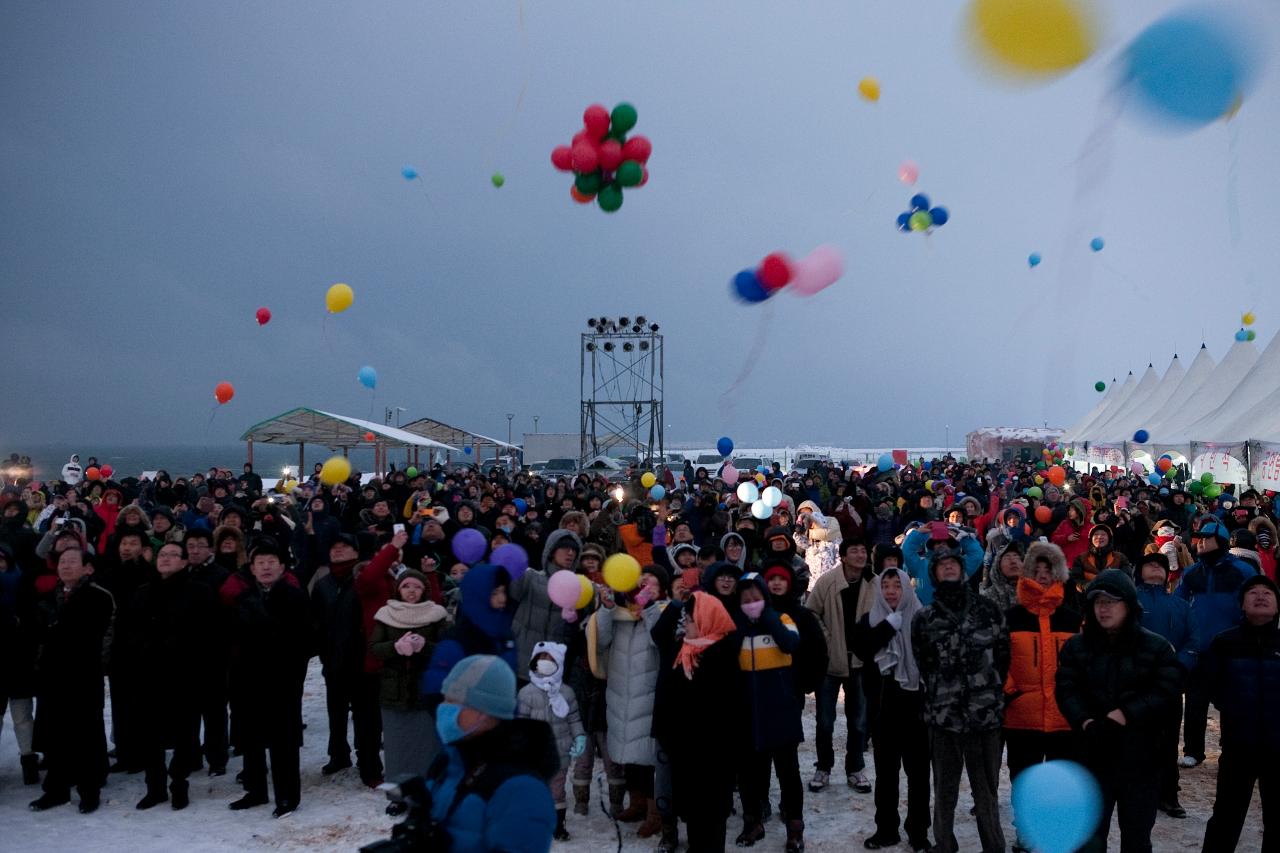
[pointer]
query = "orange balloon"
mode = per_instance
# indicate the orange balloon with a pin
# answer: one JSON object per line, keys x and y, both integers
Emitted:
{"x": 580, "y": 197}
{"x": 223, "y": 392}
{"x": 368, "y": 436}
{"x": 1164, "y": 464}
{"x": 1043, "y": 514}
{"x": 1057, "y": 475}
{"x": 92, "y": 474}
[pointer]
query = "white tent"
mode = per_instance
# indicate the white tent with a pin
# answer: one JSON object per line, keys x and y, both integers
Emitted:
{"x": 1117, "y": 400}
{"x": 1104, "y": 429}
{"x": 1168, "y": 429}
{"x": 1240, "y": 415}
{"x": 1122, "y": 427}
{"x": 1093, "y": 413}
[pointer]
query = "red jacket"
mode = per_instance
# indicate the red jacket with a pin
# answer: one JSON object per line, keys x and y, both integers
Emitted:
{"x": 375, "y": 586}
{"x": 1070, "y": 549}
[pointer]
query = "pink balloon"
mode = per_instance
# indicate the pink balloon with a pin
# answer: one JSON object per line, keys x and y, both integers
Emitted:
{"x": 729, "y": 474}
{"x": 563, "y": 588}
{"x": 821, "y": 269}
{"x": 1136, "y": 467}
{"x": 908, "y": 172}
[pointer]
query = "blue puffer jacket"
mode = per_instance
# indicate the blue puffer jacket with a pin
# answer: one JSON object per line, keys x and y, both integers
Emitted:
{"x": 916, "y": 556}
{"x": 480, "y": 630}
{"x": 1172, "y": 618}
{"x": 1212, "y": 585}
{"x": 1242, "y": 666}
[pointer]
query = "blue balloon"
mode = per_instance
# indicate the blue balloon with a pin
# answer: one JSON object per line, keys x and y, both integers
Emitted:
{"x": 368, "y": 377}
{"x": 657, "y": 493}
{"x": 919, "y": 201}
{"x": 409, "y": 173}
{"x": 904, "y": 222}
{"x": 521, "y": 505}
{"x": 1056, "y": 805}
{"x": 747, "y": 287}
{"x": 1097, "y": 243}
{"x": 940, "y": 216}
{"x": 885, "y": 462}
{"x": 724, "y": 446}
{"x": 1153, "y": 478}
{"x": 1242, "y": 336}
{"x": 466, "y": 450}
{"x": 1034, "y": 259}
{"x": 927, "y": 465}
{"x": 1189, "y": 68}
{"x": 1141, "y": 436}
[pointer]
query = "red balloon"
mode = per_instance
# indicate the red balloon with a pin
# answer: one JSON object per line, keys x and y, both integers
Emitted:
{"x": 92, "y": 473}
{"x": 596, "y": 120}
{"x": 610, "y": 155}
{"x": 637, "y": 148}
{"x": 775, "y": 271}
{"x": 585, "y": 158}
{"x": 264, "y": 316}
{"x": 580, "y": 197}
{"x": 562, "y": 158}
{"x": 1164, "y": 464}
{"x": 223, "y": 392}
{"x": 1044, "y": 514}
{"x": 368, "y": 436}
{"x": 106, "y": 471}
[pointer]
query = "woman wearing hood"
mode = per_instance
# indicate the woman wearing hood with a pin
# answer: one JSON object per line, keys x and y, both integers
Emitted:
{"x": 1012, "y": 528}
{"x": 483, "y": 626}
{"x": 405, "y": 633}
{"x": 819, "y": 538}
{"x": 734, "y": 547}
{"x": 1039, "y": 625}
{"x": 883, "y": 636}
{"x": 1000, "y": 583}
{"x": 548, "y": 699}
{"x": 1102, "y": 555}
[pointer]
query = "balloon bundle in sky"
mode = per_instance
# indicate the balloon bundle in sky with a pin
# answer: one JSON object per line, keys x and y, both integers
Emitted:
{"x": 818, "y": 271}
{"x": 603, "y": 160}
{"x": 920, "y": 217}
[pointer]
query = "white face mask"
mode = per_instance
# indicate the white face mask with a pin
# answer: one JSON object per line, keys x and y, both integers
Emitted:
{"x": 545, "y": 667}
{"x": 1165, "y": 531}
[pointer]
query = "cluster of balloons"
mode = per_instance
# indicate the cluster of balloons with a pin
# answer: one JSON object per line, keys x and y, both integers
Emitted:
{"x": 571, "y": 591}
{"x": 335, "y": 470}
{"x": 602, "y": 159}
{"x": 656, "y": 491}
{"x": 368, "y": 377}
{"x": 223, "y": 392}
{"x": 814, "y": 273}
{"x": 1032, "y": 38}
{"x": 1205, "y": 486}
{"x": 1246, "y": 334}
{"x": 921, "y": 217}
{"x": 762, "y": 501}
{"x": 263, "y": 316}
{"x": 95, "y": 473}
{"x": 339, "y": 298}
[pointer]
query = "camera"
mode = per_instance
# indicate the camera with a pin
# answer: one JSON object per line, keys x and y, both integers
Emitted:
{"x": 419, "y": 832}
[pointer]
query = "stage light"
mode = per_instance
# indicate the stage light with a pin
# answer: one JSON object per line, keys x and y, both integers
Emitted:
{"x": 627, "y": 347}
{"x": 623, "y": 322}
{"x": 644, "y": 345}
{"x": 592, "y": 322}
{"x": 653, "y": 327}
{"x": 608, "y": 346}
{"x": 591, "y": 347}
{"x": 640, "y": 319}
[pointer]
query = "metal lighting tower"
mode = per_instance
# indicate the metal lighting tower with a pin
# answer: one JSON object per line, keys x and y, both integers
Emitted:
{"x": 620, "y": 380}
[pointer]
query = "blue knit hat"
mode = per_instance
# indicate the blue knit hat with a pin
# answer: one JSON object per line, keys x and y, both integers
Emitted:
{"x": 485, "y": 683}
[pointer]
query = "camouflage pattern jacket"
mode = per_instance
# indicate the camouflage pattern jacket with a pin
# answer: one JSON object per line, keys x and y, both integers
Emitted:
{"x": 961, "y": 645}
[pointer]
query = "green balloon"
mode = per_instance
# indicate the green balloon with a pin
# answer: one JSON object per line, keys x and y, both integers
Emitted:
{"x": 588, "y": 183}
{"x": 1040, "y": 466}
{"x": 498, "y": 179}
{"x": 1195, "y": 487}
{"x": 623, "y": 118}
{"x": 1168, "y": 475}
{"x": 920, "y": 220}
{"x": 1250, "y": 334}
{"x": 1212, "y": 491}
{"x": 411, "y": 472}
{"x": 1099, "y": 387}
{"x": 1035, "y": 492}
{"x": 1206, "y": 478}
{"x": 610, "y": 198}
{"x": 630, "y": 173}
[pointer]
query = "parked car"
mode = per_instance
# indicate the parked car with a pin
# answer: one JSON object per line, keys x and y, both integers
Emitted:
{"x": 804, "y": 461}
{"x": 611, "y": 469}
{"x": 557, "y": 468}
{"x": 749, "y": 463}
{"x": 535, "y": 468}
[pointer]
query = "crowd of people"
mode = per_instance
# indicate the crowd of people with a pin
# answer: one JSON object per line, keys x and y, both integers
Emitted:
{"x": 971, "y": 614}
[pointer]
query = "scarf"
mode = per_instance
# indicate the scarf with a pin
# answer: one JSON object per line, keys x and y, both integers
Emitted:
{"x": 402, "y": 614}
{"x": 550, "y": 684}
{"x": 341, "y": 569}
{"x": 714, "y": 624}
{"x": 897, "y": 656}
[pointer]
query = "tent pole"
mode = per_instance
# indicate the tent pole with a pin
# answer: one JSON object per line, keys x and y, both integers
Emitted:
{"x": 249, "y": 449}
{"x": 301, "y": 458}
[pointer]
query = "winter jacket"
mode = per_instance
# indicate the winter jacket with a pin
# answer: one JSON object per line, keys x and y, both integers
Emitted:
{"x": 341, "y": 643}
{"x": 1183, "y": 554}
{"x": 962, "y": 649}
{"x": 1062, "y": 538}
{"x": 1267, "y": 555}
{"x": 915, "y": 557}
{"x": 374, "y": 587}
{"x": 480, "y": 630}
{"x": 490, "y": 793}
{"x": 18, "y": 625}
{"x": 537, "y": 618}
{"x": 532, "y": 703}
{"x": 632, "y": 676}
{"x": 272, "y": 640}
{"x": 1086, "y": 567}
{"x": 1039, "y": 626}
{"x": 1171, "y": 617}
{"x": 1212, "y": 586}
{"x": 400, "y": 681}
{"x": 765, "y": 660}
{"x": 1242, "y": 671}
{"x": 811, "y": 659}
{"x": 826, "y": 600}
{"x": 820, "y": 544}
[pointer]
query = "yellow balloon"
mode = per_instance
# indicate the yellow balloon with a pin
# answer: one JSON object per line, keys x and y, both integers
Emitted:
{"x": 1248, "y": 318}
{"x": 288, "y": 486}
{"x": 647, "y": 479}
{"x": 1033, "y": 37}
{"x": 335, "y": 470}
{"x": 588, "y": 592}
{"x": 339, "y": 298}
{"x": 621, "y": 572}
{"x": 869, "y": 88}
{"x": 1039, "y": 480}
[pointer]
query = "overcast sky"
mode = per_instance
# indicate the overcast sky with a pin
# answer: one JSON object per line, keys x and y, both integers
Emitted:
{"x": 166, "y": 168}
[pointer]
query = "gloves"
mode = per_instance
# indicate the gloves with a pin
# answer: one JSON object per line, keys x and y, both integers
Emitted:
{"x": 416, "y": 641}
{"x": 579, "y": 746}
{"x": 404, "y": 645}
{"x": 895, "y": 620}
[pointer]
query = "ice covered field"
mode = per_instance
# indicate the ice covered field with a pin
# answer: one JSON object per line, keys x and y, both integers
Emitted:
{"x": 338, "y": 813}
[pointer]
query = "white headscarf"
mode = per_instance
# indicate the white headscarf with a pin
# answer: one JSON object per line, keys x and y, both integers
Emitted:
{"x": 550, "y": 684}
{"x": 897, "y": 655}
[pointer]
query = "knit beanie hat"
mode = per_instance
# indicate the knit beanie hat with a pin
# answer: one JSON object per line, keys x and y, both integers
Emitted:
{"x": 415, "y": 575}
{"x": 485, "y": 683}
{"x": 1259, "y": 580}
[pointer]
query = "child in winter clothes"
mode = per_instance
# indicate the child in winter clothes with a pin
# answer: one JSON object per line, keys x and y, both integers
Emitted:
{"x": 1264, "y": 533}
{"x": 1165, "y": 540}
{"x": 548, "y": 699}
{"x": 1073, "y": 534}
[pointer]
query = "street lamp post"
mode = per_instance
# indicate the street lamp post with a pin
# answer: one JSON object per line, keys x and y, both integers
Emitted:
{"x": 509, "y": 418}
{"x": 947, "y": 427}
{"x": 535, "y": 424}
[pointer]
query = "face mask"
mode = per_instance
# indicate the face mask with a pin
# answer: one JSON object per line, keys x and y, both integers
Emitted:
{"x": 447, "y": 723}
{"x": 545, "y": 667}
{"x": 1165, "y": 531}
{"x": 506, "y": 530}
{"x": 753, "y": 609}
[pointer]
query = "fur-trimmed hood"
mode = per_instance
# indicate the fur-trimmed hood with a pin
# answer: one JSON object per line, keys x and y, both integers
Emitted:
{"x": 1045, "y": 551}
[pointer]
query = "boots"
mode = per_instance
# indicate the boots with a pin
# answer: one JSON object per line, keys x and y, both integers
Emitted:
{"x": 795, "y": 836}
{"x": 153, "y": 798}
{"x": 670, "y": 836}
{"x": 179, "y": 795}
{"x": 752, "y": 831}
{"x": 581, "y": 799}
{"x": 617, "y": 793}
{"x": 31, "y": 769}
{"x": 561, "y": 832}
{"x": 652, "y": 820}
{"x": 635, "y": 812}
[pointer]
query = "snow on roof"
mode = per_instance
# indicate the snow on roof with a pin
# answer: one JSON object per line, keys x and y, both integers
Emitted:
{"x": 1020, "y": 433}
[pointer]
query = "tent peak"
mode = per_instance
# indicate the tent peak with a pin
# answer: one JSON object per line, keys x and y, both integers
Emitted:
{"x": 1202, "y": 346}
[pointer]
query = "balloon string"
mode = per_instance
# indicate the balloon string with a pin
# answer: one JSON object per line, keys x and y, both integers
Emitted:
{"x": 207, "y": 427}
{"x": 524, "y": 86}
{"x": 1233, "y": 173}
{"x": 749, "y": 363}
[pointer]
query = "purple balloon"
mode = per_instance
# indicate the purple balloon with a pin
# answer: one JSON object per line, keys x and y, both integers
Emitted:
{"x": 469, "y": 545}
{"x": 512, "y": 558}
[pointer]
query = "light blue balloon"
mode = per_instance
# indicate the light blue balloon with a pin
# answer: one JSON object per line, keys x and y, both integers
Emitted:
{"x": 1153, "y": 478}
{"x": 657, "y": 493}
{"x": 368, "y": 377}
{"x": 1034, "y": 259}
{"x": 1188, "y": 67}
{"x": 1057, "y": 806}
{"x": 1097, "y": 243}
{"x": 1242, "y": 336}
{"x": 885, "y": 462}
{"x": 409, "y": 173}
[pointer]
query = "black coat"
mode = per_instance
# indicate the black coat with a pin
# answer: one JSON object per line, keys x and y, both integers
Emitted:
{"x": 272, "y": 640}
{"x": 1242, "y": 670}
{"x": 336, "y": 612}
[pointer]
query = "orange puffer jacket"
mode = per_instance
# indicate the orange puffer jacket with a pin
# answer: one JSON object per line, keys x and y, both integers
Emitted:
{"x": 1038, "y": 628}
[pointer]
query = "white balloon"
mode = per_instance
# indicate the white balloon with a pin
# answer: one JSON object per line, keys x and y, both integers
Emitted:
{"x": 772, "y": 496}
{"x": 761, "y": 510}
{"x": 748, "y": 493}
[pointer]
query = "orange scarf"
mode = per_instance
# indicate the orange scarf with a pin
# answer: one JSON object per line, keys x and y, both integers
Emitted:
{"x": 714, "y": 624}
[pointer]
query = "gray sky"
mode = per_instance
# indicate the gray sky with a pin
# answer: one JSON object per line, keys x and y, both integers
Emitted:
{"x": 164, "y": 171}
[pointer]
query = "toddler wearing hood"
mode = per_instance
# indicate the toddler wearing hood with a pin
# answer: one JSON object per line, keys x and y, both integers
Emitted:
{"x": 547, "y": 698}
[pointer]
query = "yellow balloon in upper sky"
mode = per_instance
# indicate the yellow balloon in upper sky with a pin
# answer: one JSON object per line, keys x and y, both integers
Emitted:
{"x": 1033, "y": 37}
{"x": 339, "y": 298}
{"x": 1248, "y": 318}
{"x": 869, "y": 88}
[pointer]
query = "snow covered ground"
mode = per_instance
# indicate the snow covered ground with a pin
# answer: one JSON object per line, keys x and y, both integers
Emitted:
{"x": 338, "y": 813}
